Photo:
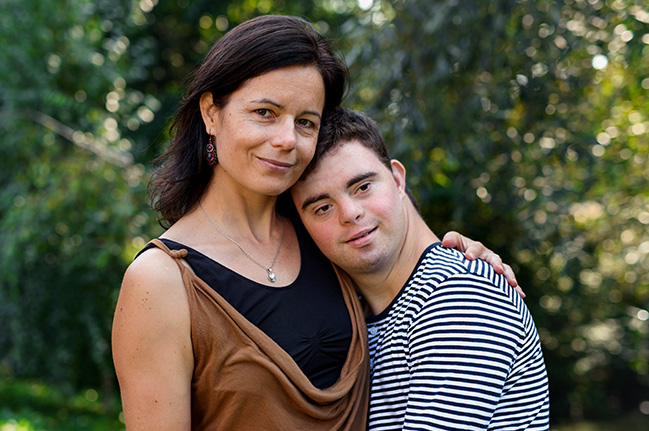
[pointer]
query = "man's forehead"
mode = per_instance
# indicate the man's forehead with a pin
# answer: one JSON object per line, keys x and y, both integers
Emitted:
{"x": 335, "y": 151}
{"x": 326, "y": 172}
{"x": 342, "y": 167}
{"x": 344, "y": 151}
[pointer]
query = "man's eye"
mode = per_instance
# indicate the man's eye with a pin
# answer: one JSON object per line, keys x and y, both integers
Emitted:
{"x": 263, "y": 112}
{"x": 364, "y": 187}
{"x": 322, "y": 209}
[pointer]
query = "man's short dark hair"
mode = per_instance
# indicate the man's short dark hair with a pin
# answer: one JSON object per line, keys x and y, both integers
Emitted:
{"x": 340, "y": 126}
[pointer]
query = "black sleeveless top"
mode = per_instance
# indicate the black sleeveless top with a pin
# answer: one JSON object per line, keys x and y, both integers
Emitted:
{"x": 308, "y": 318}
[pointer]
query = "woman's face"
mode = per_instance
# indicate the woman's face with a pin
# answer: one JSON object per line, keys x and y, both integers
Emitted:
{"x": 267, "y": 132}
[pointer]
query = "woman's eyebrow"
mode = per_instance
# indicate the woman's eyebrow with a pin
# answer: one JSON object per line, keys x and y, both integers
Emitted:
{"x": 280, "y": 106}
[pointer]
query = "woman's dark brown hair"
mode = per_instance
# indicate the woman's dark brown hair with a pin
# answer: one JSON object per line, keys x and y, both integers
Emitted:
{"x": 255, "y": 47}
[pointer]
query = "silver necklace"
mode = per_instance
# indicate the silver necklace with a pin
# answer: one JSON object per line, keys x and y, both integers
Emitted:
{"x": 271, "y": 275}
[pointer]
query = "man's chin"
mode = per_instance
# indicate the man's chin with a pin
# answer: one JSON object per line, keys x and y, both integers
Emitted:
{"x": 362, "y": 265}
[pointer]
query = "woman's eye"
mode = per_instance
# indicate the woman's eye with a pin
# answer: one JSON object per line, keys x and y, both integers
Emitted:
{"x": 263, "y": 112}
{"x": 306, "y": 123}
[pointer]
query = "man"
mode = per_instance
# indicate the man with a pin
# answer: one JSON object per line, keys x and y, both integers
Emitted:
{"x": 452, "y": 345}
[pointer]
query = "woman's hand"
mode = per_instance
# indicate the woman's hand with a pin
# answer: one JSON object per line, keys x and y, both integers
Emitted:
{"x": 476, "y": 250}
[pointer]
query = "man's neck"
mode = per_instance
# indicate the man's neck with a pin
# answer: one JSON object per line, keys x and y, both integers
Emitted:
{"x": 380, "y": 287}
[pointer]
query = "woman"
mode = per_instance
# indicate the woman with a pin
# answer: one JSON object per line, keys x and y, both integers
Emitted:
{"x": 232, "y": 320}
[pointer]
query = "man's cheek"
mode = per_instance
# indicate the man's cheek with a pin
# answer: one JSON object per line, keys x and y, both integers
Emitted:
{"x": 323, "y": 238}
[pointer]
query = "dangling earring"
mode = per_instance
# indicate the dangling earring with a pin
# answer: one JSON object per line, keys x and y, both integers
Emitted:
{"x": 211, "y": 152}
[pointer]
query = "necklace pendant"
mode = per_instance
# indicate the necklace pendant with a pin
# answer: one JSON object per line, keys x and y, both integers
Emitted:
{"x": 271, "y": 276}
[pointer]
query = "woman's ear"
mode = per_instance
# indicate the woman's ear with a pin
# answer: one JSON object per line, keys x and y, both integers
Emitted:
{"x": 209, "y": 112}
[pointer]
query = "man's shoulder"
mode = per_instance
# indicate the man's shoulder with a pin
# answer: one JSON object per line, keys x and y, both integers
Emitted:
{"x": 444, "y": 264}
{"x": 442, "y": 261}
{"x": 445, "y": 276}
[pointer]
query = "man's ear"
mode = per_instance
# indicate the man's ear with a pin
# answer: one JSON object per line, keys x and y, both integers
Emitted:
{"x": 209, "y": 112}
{"x": 399, "y": 175}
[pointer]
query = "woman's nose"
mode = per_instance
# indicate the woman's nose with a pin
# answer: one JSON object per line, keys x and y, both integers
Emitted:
{"x": 285, "y": 135}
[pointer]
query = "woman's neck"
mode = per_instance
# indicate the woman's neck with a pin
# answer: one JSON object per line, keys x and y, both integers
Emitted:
{"x": 235, "y": 209}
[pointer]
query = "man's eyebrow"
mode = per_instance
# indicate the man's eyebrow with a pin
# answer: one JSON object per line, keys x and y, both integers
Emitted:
{"x": 359, "y": 178}
{"x": 351, "y": 182}
{"x": 314, "y": 199}
{"x": 272, "y": 102}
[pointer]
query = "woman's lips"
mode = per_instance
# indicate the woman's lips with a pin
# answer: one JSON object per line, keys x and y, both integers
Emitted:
{"x": 276, "y": 165}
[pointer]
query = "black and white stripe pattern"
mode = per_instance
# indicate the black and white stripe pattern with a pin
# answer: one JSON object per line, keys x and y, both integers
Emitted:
{"x": 456, "y": 350}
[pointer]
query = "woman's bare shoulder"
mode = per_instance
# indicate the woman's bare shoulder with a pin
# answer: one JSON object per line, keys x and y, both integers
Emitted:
{"x": 153, "y": 288}
{"x": 154, "y": 264}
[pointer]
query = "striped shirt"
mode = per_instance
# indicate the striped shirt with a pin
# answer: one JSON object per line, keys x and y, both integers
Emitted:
{"x": 456, "y": 350}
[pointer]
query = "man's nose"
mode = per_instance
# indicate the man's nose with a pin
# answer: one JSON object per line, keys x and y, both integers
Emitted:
{"x": 350, "y": 210}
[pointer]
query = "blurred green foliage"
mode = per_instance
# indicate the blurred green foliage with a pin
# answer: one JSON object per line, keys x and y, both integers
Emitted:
{"x": 34, "y": 406}
{"x": 523, "y": 124}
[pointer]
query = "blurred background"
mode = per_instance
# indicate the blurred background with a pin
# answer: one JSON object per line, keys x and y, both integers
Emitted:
{"x": 523, "y": 124}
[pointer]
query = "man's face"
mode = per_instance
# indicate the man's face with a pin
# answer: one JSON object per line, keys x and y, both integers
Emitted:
{"x": 353, "y": 207}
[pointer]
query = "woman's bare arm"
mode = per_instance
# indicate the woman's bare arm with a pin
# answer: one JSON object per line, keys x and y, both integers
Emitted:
{"x": 152, "y": 347}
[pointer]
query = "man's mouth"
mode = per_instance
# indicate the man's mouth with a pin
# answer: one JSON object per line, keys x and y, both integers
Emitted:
{"x": 362, "y": 234}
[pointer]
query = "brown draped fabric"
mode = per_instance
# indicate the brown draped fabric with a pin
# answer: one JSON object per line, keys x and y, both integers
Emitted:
{"x": 244, "y": 381}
